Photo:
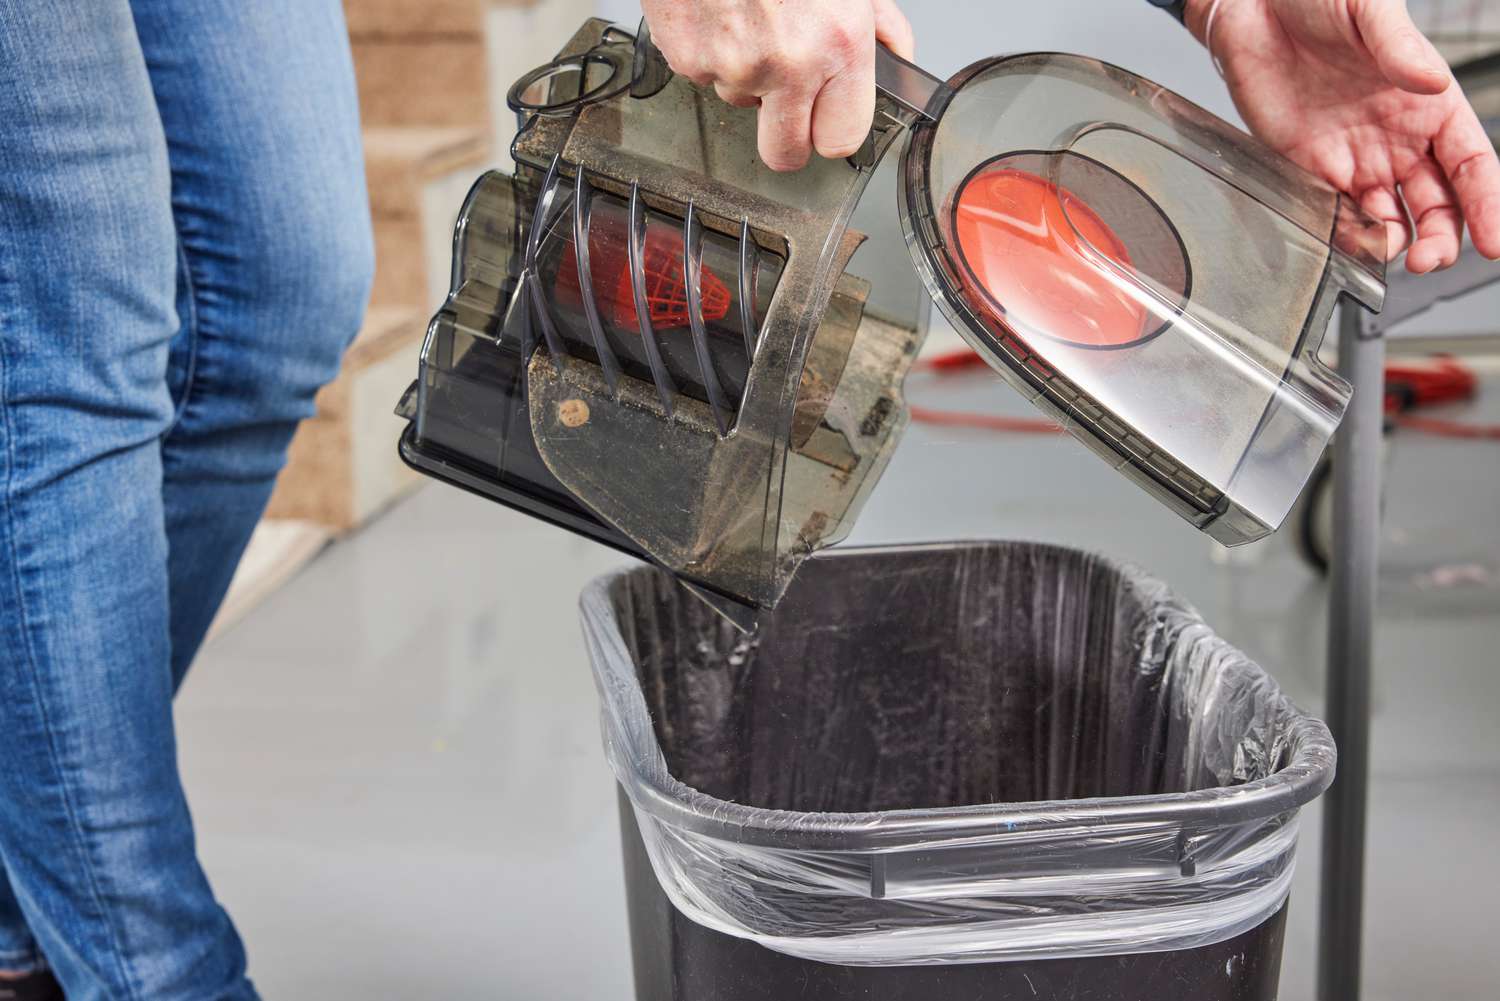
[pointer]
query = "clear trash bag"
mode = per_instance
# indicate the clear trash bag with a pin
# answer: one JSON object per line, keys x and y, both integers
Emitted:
{"x": 953, "y": 753}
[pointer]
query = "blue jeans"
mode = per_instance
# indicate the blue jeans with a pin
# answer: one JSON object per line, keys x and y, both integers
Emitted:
{"x": 184, "y": 254}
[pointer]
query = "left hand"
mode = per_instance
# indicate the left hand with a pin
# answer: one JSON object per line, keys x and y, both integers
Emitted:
{"x": 1352, "y": 91}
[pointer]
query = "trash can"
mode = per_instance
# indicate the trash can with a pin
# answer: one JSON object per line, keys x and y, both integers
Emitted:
{"x": 981, "y": 770}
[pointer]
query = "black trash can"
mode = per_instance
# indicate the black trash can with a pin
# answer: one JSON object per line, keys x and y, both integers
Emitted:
{"x": 978, "y": 770}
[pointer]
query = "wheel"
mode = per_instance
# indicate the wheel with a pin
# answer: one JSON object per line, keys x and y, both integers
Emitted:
{"x": 1314, "y": 537}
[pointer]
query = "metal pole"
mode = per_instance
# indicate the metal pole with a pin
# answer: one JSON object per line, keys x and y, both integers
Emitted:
{"x": 1351, "y": 623}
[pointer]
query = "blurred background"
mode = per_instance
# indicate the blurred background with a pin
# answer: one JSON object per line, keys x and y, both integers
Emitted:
{"x": 391, "y": 741}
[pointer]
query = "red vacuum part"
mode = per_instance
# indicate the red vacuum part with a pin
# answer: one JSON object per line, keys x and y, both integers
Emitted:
{"x": 1439, "y": 380}
{"x": 1409, "y": 386}
{"x": 666, "y": 291}
{"x": 1034, "y": 249}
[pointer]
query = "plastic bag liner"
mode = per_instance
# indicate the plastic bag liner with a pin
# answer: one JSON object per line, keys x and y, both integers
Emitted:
{"x": 951, "y": 754}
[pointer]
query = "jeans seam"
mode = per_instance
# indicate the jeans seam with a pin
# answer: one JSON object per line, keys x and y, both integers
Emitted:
{"x": 191, "y": 324}
{"x": 29, "y": 648}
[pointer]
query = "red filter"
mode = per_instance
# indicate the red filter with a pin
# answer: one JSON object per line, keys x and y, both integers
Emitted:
{"x": 666, "y": 292}
{"x": 1034, "y": 250}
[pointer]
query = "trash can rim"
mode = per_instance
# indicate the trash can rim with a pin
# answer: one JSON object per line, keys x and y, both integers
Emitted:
{"x": 660, "y": 794}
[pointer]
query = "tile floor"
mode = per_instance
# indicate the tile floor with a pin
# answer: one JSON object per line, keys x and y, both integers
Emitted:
{"x": 396, "y": 769}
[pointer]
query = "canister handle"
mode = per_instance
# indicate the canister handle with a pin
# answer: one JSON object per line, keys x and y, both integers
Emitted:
{"x": 909, "y": 85}
{"x": 905, "y": 83}
{"x": 649, "y": 71}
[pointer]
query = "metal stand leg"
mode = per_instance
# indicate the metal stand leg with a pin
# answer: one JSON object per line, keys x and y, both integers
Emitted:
{"x": 1351, "y": 621}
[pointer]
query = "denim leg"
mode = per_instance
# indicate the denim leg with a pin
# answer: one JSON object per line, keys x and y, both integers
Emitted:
{"x": 262, "y": 123}
{"x": 19, "y": 952}
{"x": 94, "y": 829}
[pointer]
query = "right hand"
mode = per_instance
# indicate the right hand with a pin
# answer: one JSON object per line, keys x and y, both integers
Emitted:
{"x": 808, "y": 64}
{"x": 1350, "y": 90}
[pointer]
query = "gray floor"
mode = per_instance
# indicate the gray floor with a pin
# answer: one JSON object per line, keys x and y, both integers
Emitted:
{"x": 395, "y": 763}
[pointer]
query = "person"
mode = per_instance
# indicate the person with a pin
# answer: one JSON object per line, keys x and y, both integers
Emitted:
{"x": 1347, "y": 89}
{"x": 185, "y": 251}
{"x": 184, "y": 254}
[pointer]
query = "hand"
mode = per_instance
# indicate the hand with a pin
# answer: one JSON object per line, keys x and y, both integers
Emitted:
{"x": 808, "y": 64}
{"x": 1352, "y": 91}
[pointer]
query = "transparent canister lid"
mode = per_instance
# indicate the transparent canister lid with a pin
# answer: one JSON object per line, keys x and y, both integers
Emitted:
{"x": 1150, "y": 276}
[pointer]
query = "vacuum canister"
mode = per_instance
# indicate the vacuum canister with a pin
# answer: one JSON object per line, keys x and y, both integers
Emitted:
{"x": 651, "y": 338}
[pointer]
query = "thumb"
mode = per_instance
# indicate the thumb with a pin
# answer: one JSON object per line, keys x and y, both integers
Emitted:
{"x": 1405, "y": 57}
